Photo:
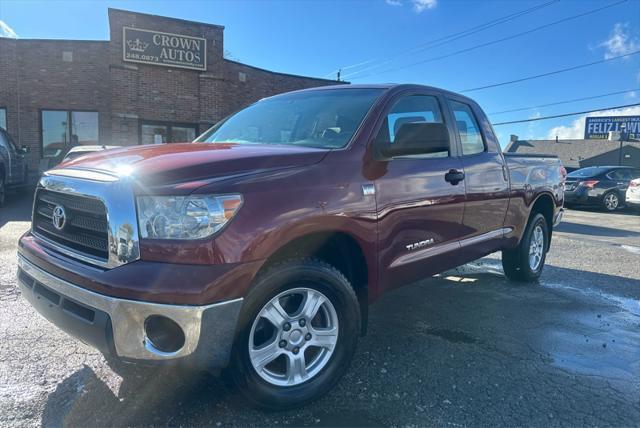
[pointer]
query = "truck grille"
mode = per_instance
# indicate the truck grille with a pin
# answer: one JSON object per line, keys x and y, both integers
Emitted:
{"x": 84, "y": 229}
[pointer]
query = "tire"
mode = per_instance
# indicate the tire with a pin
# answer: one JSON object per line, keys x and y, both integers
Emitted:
{"x": 611, "y": 201}
{"x": 517, "y": 263}
{"x": 292, "y": 284}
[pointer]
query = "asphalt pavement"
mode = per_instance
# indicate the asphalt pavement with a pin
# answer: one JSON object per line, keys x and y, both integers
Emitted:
{"x": 466, "y": 348}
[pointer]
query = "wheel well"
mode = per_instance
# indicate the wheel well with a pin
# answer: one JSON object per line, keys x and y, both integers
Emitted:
{"x": 338, "y": 249}
{"x": 544, "y": 205}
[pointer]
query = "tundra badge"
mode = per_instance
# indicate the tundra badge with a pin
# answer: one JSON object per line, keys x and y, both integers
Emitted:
{"x": 420, "y": 244}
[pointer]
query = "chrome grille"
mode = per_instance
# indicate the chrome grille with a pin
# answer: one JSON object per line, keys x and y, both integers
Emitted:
{"x": 85, "y": 229}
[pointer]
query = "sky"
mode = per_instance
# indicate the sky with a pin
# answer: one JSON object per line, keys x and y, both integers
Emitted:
{"x": 452, "y": 44}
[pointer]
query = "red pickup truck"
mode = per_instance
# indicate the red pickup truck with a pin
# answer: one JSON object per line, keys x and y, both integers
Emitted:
{"x": 259, "y": 247}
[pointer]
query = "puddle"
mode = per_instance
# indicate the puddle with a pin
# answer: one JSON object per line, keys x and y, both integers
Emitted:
{"x": 627, "y": 304}
{"x": 596, "y": 343}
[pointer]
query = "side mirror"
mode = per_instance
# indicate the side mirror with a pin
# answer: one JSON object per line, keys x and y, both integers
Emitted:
{"x": 419, "y": 138}
{"x": 25, "y": 149}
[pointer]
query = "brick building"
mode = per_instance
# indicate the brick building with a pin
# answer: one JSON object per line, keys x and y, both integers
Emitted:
{"x": 157, "y": 79}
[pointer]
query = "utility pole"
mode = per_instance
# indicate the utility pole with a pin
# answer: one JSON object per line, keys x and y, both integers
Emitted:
{"x": 339, "y": 72}
{"x": 623, "y": 138}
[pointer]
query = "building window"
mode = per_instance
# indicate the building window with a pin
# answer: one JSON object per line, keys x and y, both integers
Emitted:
{"x": 159, "y": 133}
{"x": 3, "y": 118}
{"x": 62, "y": 130}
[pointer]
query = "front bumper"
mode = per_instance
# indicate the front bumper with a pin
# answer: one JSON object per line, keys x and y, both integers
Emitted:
{"x": 116, "y": 326}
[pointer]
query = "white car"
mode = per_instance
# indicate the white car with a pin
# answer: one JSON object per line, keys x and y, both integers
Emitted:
{"x": 632, "y": 198}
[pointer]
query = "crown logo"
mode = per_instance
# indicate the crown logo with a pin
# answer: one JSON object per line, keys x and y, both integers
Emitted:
{"x": 137, "y": 45}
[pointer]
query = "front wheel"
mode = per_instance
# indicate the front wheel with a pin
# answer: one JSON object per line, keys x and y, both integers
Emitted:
{"x": 525, "y": 262}
{"x": 298, "y": 333}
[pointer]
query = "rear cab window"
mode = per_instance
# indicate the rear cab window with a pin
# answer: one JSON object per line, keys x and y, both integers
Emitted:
{"x": 467, "y": 128}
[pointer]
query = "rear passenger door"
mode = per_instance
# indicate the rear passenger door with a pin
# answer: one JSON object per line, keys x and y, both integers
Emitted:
{"x": 486, "y": 179}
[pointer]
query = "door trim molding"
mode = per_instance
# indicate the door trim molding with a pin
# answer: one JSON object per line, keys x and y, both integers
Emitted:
{"x": 425, "y": 253}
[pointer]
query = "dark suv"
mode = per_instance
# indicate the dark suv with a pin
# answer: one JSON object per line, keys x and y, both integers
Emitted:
{"x": 602, "y": 186}
{"x": 13, "y": 165}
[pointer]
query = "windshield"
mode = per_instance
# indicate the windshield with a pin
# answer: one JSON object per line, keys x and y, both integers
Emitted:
{"x": 591, "y": 171}
{"x": 323, "y": 119}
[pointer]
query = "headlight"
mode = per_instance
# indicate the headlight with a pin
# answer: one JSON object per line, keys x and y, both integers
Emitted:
{"x": 185, "y": 217}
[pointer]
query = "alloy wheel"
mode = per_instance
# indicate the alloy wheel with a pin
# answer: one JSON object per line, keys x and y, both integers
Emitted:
{"x": 611, "y": 201}
{"x": 536, "y": 248}
{"x": 293, "y": 337}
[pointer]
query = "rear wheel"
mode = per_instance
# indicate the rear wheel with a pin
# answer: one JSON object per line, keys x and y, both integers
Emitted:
{"x": 610, "y": 201}
{"x": 525, "y": 262}
{"x": 298, "y": 332}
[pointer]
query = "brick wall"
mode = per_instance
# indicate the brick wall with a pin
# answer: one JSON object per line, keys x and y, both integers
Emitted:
{"x": 36, "y": 76}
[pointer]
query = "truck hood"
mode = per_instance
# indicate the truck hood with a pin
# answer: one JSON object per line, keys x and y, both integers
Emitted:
{"x": 159, "y": 165}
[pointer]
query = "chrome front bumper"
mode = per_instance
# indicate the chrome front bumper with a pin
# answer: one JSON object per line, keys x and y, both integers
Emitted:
{"x": 209, "y": 330}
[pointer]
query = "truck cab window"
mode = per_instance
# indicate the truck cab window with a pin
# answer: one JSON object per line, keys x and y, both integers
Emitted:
{"x": 467, "y": 128}
{"x": 410, "y": 109}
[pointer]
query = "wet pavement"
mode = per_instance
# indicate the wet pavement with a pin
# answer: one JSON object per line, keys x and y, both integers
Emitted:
{"x": 465, "y": 348}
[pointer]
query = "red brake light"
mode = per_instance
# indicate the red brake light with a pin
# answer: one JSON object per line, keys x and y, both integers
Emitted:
{"x": 563, "y": 172}
{"x": 589, "y": 183}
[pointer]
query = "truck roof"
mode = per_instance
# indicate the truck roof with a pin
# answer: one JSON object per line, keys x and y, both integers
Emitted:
{"x": 395, "y": 87}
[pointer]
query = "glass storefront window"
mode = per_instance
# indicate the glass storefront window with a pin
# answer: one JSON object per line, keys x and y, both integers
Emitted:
{"x": 84, "y": 128}
{"x": 55, "y": 133}
{"x": 160, "y": 133}
{"x": 3, "y": 118}
{"x": 154, "y": 134}
{"x": 181, "y": 134}
{"x": 62, "y": 130}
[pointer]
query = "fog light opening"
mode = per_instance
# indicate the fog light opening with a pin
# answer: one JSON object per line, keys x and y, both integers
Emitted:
{"x": 163, "y": 334}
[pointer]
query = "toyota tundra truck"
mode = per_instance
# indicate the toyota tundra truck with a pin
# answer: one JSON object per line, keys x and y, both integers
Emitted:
{"x": 258, "y": 247}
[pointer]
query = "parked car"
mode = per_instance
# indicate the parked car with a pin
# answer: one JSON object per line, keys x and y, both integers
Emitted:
{"x": 78, "y": 151}
{"x": 602, "y": 186}
{"x": 260, "y": 246}
{"x": 632, "y": 197}
{"x": 13, "y": 165}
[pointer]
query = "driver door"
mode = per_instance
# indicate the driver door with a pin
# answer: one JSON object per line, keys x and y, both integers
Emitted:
{"x": 419, "y": 213}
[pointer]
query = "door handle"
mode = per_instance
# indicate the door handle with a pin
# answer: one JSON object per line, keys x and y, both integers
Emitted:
{"x": 454, "y": 176}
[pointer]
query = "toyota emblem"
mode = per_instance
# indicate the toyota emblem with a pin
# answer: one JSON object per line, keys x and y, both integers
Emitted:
{"x": 59, "y": 217}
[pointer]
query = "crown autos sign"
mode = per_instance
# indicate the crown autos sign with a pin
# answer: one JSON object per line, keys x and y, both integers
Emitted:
{"x": 171, "y": 50}
{"x": 598, "y": 128}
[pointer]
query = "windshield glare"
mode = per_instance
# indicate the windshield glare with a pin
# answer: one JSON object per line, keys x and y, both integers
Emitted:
{"x": 323, "y": 119}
